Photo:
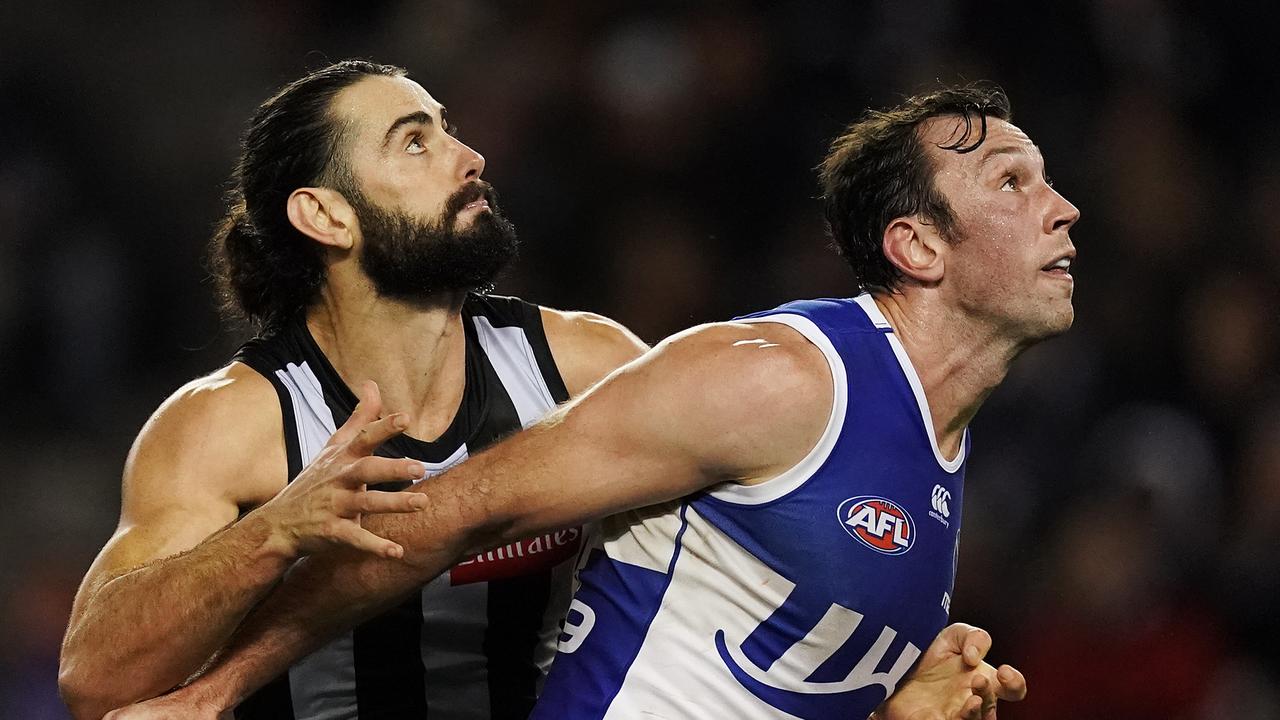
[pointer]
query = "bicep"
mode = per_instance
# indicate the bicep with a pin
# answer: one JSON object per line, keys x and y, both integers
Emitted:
{"x": 702, "y": 408}
{"x": 199, "y": 459}
{"x": 161, "y": 516}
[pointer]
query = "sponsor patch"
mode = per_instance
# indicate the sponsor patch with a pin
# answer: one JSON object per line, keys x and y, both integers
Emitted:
{"x": 525, "y": 557}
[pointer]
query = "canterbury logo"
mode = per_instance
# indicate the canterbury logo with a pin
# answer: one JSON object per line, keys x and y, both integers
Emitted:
{"x": 942, "y": 501}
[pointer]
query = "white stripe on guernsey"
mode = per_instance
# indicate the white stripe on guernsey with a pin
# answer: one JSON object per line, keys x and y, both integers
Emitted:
{"x": 512, "y": 358}
{"x": 868, "y": 305}
{"x": 716, "y": 585}
{"x": 642, "y": 537}
{"x": 791, "y": 480}
{"x": 323, "y": 684}
{"x": 311, "y": 414}
{"x": 456, "y": 457}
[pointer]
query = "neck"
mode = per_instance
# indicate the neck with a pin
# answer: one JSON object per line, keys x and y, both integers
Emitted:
{"x": 959, "y": 359}
{"x": 416, "y": 353}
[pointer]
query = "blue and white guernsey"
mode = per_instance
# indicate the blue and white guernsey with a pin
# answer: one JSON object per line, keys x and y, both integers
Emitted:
{"x": 807, "y": 596}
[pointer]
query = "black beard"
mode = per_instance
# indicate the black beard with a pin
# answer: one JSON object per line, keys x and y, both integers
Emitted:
{"x": 414, "y": 261}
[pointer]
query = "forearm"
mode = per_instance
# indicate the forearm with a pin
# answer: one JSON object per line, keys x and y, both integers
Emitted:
{"x": 149, "y": 629}
{"x": 557, "y": 474}
{"x": 322, "y": 595}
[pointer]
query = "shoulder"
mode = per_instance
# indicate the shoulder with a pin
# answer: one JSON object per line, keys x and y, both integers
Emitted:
{"x": 221, "y": 434}
{"x": 587, "y": 346}
{"x": 758, "y": 362}
{"x": 757, "y": 396}
{"x": 233, "y": 400}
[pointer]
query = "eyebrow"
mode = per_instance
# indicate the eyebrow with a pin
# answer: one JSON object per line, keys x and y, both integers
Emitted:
{"x": 1006, "y": 150}
{"x": 420, "y": 117}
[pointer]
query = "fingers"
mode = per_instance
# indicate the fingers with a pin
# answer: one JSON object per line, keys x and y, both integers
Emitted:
{"x": 977, "y": 643}
{"x": 985, "y": 691}
{"x": 971, "y": 709}
{"x": 1012, "y": 685}
{"x": 366, "y": 411}
{"x": 375, "y": 470}
{"x": 950, "y": 641}
{"x": 353, "y": 535}
{"x": 387, "y": 502}
{"x": 373, "y": 434}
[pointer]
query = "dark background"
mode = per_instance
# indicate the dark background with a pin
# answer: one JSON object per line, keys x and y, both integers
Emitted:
{"x": 1122, "y": 521}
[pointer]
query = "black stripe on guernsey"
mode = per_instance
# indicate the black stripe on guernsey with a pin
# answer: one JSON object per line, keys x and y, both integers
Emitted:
{"x": 387, "y": 652}
{"x": 515, "y": 615}
{"x": 537, "y": 335}
{"x": 515, "y": 605}
{"x": 507, "y": 312}
{"x": 273, "y": 700}
{"x": 293, "y": 452}
{"x": 389, "y": 671}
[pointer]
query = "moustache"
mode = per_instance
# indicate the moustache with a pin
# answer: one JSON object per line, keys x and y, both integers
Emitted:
{"x": 469, "y": 193}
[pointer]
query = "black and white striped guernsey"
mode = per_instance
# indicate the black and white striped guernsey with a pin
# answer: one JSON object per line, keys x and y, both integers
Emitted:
{"x": 476, "y": 642}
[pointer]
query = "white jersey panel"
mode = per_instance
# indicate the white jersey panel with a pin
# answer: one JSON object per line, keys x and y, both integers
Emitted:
{"x": 512, "y": 358}
{"x": 312, "y": 415}
{"x": 323, "y": 680}
{"x": 695, "y": 607}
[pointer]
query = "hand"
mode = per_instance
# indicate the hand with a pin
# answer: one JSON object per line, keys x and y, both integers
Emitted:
{"x": 321, "y": 508}
{"x": 952, "y": 682}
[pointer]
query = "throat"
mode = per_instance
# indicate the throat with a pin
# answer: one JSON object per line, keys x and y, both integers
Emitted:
{"x": 420, "y": 368}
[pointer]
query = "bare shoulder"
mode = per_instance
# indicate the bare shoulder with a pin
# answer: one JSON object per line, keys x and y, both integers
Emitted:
{"x": 215, "y": 446}
{"x": 587, "y": 346}
{"x": 218, "y": 437}
{"x": 763, "y": 389}
{"x": 754, "y": 361}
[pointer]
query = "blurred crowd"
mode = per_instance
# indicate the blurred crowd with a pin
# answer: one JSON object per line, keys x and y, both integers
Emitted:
{"x": 1122, "y": 515}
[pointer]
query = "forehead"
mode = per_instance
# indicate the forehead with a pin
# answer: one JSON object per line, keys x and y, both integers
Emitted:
{"x": 374, "y": 103}
{"x": 1003, "y": 138}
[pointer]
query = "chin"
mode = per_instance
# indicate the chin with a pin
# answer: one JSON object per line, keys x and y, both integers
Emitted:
{"x": 1055, "y": 323}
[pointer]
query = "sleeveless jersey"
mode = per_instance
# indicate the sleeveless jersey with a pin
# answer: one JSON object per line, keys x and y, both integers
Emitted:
{"x": 474, "y": 643}
{"x": 809, "y": 595}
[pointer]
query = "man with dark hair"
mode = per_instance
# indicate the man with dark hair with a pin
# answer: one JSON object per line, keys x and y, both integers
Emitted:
{"x": 799, "y": 471}
{"x": 358, "y": 242}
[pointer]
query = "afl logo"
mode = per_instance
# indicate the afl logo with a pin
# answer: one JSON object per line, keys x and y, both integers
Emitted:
{"x": 879, "y": 523}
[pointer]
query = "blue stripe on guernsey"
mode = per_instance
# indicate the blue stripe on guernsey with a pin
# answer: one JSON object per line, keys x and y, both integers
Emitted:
{"x": 606, "y": 631}
{"x": 810, "y": 595}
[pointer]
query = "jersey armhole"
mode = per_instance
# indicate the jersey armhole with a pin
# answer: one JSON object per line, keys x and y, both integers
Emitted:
{"x": 292, "y": 448}
{"x": 793, "y": 478}
{"x": 546, "y": 364}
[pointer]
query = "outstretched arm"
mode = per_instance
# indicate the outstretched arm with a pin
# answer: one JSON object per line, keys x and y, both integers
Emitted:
{"x": 717, "y": 404}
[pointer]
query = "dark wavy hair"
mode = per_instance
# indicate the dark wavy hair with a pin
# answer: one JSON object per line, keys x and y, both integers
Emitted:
{"x": 266, "y": 271}
{"x": 878, "y": 170}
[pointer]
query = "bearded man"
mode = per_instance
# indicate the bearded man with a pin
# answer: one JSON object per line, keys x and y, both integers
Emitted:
{"x": 358, "y": 241}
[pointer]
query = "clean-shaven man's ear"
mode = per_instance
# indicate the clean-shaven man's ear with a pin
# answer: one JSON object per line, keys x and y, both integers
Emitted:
{"x": 323, "y": 215}
{"x": 916, "y": 249}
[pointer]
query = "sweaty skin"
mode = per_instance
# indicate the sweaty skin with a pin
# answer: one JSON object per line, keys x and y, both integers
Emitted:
{"x": 180, "y": 572}
{"x": 209, "y": 522}
{"x": 721, "y": 403}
